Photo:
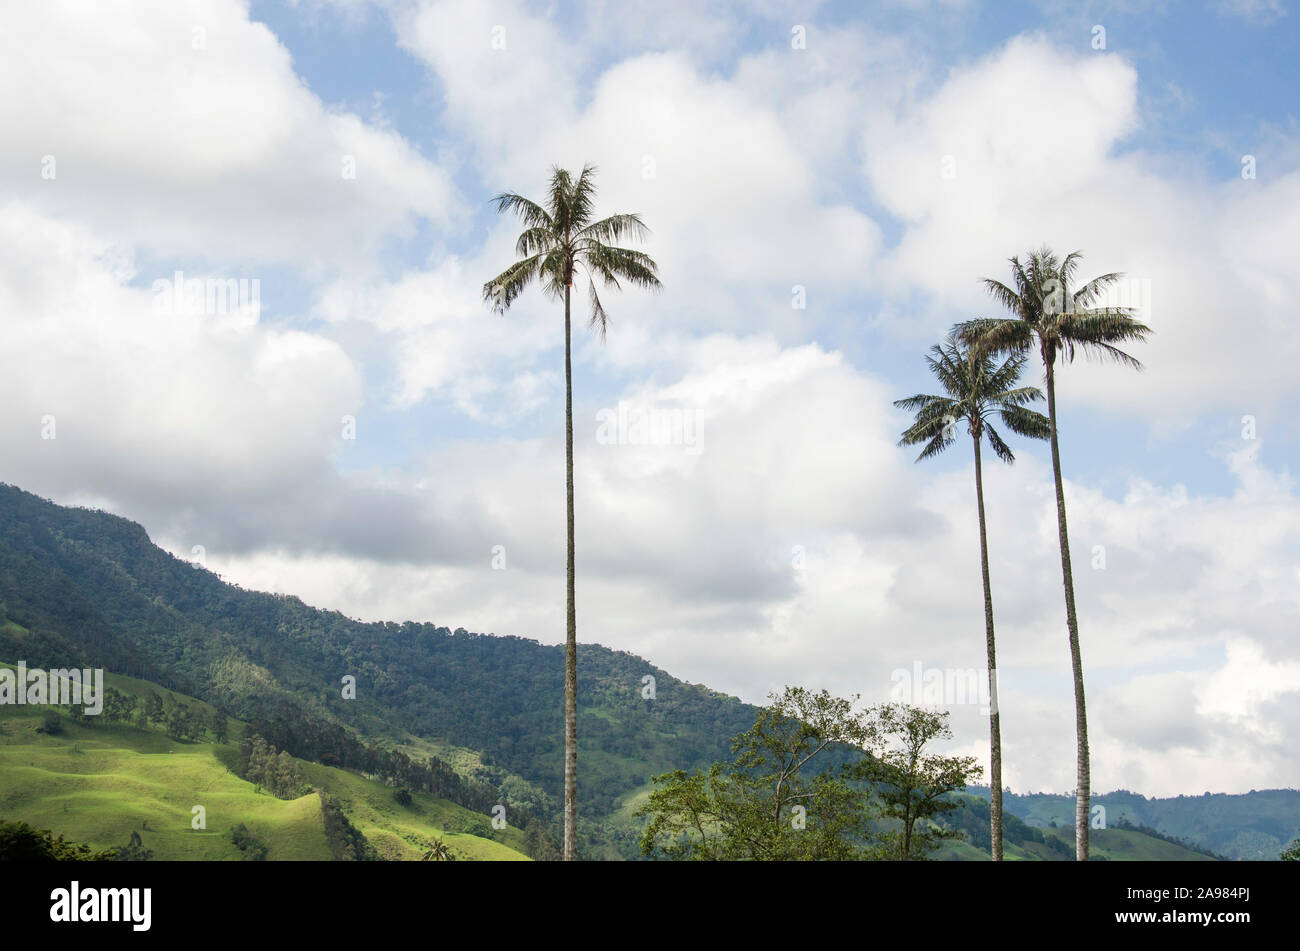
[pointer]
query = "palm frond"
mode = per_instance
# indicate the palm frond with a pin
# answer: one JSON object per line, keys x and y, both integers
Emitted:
{"x": 1026, "y": 422}
{"x": 1000, "y": 378}
{"x": 947, "y": 371}
{"x": 554, "y": 275}
{"x": 501, "y": 291}
{"x": 560, "y": 202}
{"x": 1002, "y": 450}
{"x": 935, "y": 415}
{"x": 1011, "y": 300}
{"x": 1098, "y": 332}
{"x": 1067, "y": 268}
{"x": 935, "y": 446}
{"x": 1087, "y": 295}
{"x": 1018, "y": 396}
{"x": 920, "y": 400}
{"x": 614, "y": 228}
{"x": 991, "y": 335}
{"x": 582, "y": 197}
{"x": 599, "y": 319}
{"x": 535, "y": 240}
{"x": 530, "y": 213}
{"x": 613, "y": 264}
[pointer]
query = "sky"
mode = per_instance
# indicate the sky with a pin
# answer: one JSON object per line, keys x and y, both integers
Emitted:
{"x": 339, "y": 416}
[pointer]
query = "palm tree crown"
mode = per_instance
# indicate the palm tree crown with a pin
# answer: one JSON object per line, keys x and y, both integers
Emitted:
{"x": 1063, "y": 321}
{"x": 560, "y": 239}
{"x": 977, "y": 388}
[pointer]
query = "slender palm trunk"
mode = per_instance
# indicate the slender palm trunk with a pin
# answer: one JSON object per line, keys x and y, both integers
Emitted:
{"x": 1082, "y": 793}
{"x": 571, "y": 635}
{"x": 995, "y": 723}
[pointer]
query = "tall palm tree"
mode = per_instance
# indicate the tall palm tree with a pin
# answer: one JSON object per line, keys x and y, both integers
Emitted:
{"x": 977, "y": 387}
{"x": 560, "y": 238}
{"x": 1046, "y": 315}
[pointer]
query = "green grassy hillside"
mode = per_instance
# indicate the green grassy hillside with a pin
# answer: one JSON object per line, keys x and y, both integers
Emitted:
{"x": 98, "y": 784}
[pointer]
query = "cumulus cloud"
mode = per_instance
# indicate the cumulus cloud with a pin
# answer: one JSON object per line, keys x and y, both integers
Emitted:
{"x": 117, "y": 386}
{"x": 182, "y": 129}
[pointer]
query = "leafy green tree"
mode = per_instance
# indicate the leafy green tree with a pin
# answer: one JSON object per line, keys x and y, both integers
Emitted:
{"x": 134, "y": 850}
{"x": 286, "y": 779}
{"x": 1292, "y": 853}
{"x": 402, "y": 796}
{"x": 977, "y": 387}
{"x": 538, "y": 843}
{"x": 560, "y": 238}
{"x": 19, "y": 842}
{"x": 784, "y": 796}
{"x": 179, "y": 721}
{"x": 119, "y": 707}
{"x": 254, "y": 849}
{"x": 913, "y": 785}
{"x": 1047, "y": 315}
{"x": 51, "y": 723}
{"x": 153, "y": 708}
{"x": 82, "y": 716}
{"x": 220, "y": 726}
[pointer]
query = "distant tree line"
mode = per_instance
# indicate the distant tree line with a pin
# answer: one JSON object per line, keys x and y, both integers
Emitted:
{"x": 275, "y": 771}
{"x": 178, "y": 718}
{"x": 346, "y": 842}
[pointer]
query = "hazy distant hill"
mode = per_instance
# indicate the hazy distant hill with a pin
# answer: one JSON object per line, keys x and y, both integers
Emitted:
{"x": 1254, "y": 825}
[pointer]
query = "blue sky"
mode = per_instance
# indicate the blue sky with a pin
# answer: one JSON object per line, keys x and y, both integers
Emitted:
{"x": 795, "y": 541}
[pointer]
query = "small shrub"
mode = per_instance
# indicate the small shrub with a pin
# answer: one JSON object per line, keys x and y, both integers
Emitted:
{"x": 51, "y": 723}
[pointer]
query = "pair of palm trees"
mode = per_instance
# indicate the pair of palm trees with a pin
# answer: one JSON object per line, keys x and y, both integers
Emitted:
{"x": 561, "y": 237}
{"x": 1047, "y": 316}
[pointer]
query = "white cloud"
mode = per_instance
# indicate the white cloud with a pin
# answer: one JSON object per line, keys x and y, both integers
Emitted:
{"x": 218, "y": 152}
{"x": 447, "y": 343}
{"x": 156, "y": 403}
